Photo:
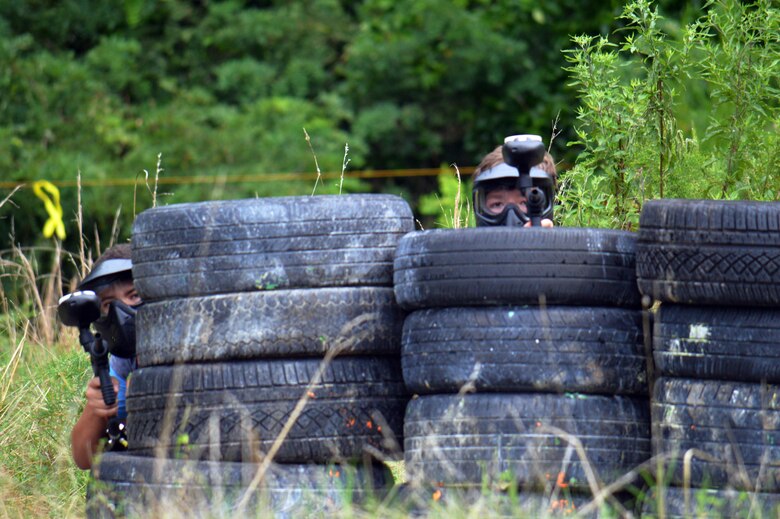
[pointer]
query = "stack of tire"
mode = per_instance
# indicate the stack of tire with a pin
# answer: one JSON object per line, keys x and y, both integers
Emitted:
{"x": 269, "y": 333}
{"x": 715, "y": 268}
{"x": 522, "y": 346}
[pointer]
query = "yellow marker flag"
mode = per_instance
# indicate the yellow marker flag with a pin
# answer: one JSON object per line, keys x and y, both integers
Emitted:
{"x": 50, "y": 195}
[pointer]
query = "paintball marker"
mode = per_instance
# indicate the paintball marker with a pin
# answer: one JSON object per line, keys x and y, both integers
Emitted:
{"x": 80, "y": 309}
{"x": 523, "y": 152}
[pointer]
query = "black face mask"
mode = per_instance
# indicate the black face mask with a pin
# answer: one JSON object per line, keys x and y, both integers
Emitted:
{"x": 117, "y": 327}
{"x": 507, "y": 177}
{"x": 511, "y": 216}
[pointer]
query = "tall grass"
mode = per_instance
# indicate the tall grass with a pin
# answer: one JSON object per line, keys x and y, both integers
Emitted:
{"x": 43, "y": 374}
{"x": 42, "y": 380}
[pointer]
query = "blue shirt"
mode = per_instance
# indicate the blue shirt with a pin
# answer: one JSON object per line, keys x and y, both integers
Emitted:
{"x": 120, "y": 368}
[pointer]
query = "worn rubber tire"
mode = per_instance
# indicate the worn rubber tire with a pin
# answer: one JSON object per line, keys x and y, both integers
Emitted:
{"x": 283, "y": 323}
{"x": 501, "y": 265}
{"x": 710, "y": 252}
{"x": 718, "y": 343}
{"x": 471, "y": 439}
{"x": 711, "y": 503}
{"x": 123, "y": 485}
{"x": 234, "y": 411}
{"x": 267, "y": 243}
{"x": 508, "y": 349}
{"x": 737, "y": 424}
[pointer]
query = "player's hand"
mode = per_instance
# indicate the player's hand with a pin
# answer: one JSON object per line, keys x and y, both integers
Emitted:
{"x": 546, "y": 222}
{"x": 95, "y": 404}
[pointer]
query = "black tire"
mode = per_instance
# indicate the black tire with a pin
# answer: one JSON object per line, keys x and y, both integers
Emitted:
{"x": 507, "y": 349}
{"x": 496, "y": 266}
{"x": 710, "y": 252}
{"x": 737, "y": 424}
{"x": 133, "y": 486}
{"x": 358, "y": 404}
{"x": 718, "y": 343}
{"x": 284, "y": 323}
{"x": 710, "y": 503}
{"x": 267, "y": 243}
{"x": 471, "y": 439}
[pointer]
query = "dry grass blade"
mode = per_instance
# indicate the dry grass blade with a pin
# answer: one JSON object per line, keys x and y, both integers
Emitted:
{"x": 162, "y": 446}
{"x": 114, "y": 236}
{"x": 157, "y": 172}
{"x": 344, "y": 163}
{"x": 687, "y": 458}
{"x": 84, "y": 264}
{"x": 590, "y": 473}
{"x": 741, "y": 470}
{"x": 459, "y": 220}
{"x": 344, "y": 341}
{"x": 8, "y": 198}
{"x": 44, "y": 330}
{"x": 619, "y": 484}
{"x": 456, "y": 223}
{"x": 296, "y": 413}
{"x": 152, "y": 190}
{"x": 316, "y": 164}
{"x": 52, "y": 291}
{"x": 97, "y": 239}
{"x": 10, "y": 369}
{"x": 135, "y": 191}
{"x": 555, "y": 131}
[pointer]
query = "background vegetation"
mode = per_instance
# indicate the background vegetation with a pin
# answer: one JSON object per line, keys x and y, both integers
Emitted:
{"x": 224, "y": 89}
{"x": 661, "y": 99}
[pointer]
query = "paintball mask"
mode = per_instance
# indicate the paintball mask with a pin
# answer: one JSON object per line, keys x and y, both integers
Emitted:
{"x": 505, "y": 177}
{"x": 516, "y": 173}
{"x": 117, "y": 327}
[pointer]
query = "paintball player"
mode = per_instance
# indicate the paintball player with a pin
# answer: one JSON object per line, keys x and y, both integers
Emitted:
{"x": 112, "y": 280}
{"x": 497, "y": 198}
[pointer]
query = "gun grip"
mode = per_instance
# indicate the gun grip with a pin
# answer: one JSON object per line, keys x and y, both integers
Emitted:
{"x": 107, "y": 387}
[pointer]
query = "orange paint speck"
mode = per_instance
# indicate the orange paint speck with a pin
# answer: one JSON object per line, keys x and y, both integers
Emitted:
{"x": 311, "y": 394}
{"x": 561, "y": 480}
{"x": 437, "y": 495}
{"x": 369, "y": 424}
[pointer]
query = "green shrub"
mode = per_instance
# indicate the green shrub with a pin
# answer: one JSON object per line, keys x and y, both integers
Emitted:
{"x": 636, "y": 143}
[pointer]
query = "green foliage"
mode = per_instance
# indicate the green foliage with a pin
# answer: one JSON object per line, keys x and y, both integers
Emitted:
{"x": 223, "y": 92}
{"x": 738, "y": 52}
{"x": 636, "y": 146}
{"x": 116, "y": 59}
{"x": 473, "y": 72}
{"x": 224, "y": 89}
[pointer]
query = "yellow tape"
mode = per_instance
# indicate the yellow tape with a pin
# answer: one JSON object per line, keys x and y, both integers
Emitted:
{"x": 51, "y": 201}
